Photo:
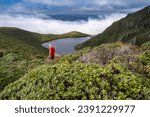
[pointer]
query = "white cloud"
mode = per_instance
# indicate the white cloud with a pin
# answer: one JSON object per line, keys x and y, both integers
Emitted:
{"x": 54, "y": 2}
{"x": 81, "y": 3}
{"x": 132, "y": 9}
{"x": 110, "y": 2}
{"x": 53, "y": 26}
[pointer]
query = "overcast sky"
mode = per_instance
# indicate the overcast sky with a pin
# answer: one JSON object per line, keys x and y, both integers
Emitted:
{"x": 70, "y": 6}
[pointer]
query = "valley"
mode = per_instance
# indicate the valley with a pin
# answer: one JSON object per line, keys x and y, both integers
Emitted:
{"x": 113, "y": 65}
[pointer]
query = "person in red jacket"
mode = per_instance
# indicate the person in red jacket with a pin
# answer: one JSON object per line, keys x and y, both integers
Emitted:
{"x": 51, "y": 52}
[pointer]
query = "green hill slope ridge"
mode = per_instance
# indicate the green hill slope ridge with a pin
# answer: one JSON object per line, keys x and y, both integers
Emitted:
{"x": 20, "y": 51}
{"x": 134, "y": 28}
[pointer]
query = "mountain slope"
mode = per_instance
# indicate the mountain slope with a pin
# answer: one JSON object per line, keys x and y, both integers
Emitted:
{"x": 20, "y": 51}
{"x": 12, "y": 38}
{"x": 135, "y": 29}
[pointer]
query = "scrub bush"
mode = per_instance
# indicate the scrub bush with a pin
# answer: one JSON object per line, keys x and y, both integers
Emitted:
{"x": 78, "y": 81}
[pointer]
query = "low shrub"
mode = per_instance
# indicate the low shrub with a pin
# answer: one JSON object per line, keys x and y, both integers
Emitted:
{"x": 78, "y": 81}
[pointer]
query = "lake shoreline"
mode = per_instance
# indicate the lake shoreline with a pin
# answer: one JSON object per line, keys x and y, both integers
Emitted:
{"x": 65, "y": 45}
{"x": 63, "y": 38}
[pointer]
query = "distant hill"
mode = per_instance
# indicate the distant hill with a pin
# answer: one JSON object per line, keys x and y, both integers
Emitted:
{"x": 134, "y": 28}
{"x": 72, "y": 34}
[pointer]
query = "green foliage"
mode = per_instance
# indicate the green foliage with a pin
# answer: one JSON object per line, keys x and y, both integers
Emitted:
{"x": 77, "y": 81}
{"x": 20, "y": 51}
{"x": 1, "y": 54}
{"x": 145, "y": 58}
{"x": 13, "y": 66}
{"x": 145, "y": 46}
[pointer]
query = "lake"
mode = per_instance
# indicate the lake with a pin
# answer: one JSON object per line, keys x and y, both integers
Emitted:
{"x": 65, "y": 45}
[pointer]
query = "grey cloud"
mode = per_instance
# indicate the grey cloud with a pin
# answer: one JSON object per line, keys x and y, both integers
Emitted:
{"x": 67, "y": 6}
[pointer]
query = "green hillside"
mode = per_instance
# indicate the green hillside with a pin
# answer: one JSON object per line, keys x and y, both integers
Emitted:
{"x": 124, "y": 75}
{"x": 109, "y": 71}
{"x": 21, "y": 51}
{"x": 135, "y": 29}
{"x": 13, "y": 38}
{"x": 72, "y": 34}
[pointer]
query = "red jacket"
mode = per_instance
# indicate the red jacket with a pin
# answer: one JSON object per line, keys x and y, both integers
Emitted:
{"x": 51, "y": 51}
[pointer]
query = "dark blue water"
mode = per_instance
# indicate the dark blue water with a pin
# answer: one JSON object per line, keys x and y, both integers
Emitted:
{"x": 65, "y": 45}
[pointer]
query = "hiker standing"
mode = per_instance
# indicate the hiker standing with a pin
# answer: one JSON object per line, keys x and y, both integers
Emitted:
{"x": 51, "y": 52}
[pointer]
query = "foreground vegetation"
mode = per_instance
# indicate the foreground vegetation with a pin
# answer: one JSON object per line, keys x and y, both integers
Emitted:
{"x": 20, "y": 52}
{"x": 78, "y": 81}
{"x": 126, "y": 75}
